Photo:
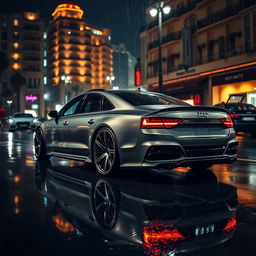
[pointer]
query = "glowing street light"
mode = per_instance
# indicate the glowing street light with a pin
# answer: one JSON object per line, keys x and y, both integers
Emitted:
{"x": 110, "y": 78}
{"x": 66, "y": 79}
{"x": 159, "y": 10}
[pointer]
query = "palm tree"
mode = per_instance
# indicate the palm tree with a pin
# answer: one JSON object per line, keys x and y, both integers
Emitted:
{"x": 18, "y": 81}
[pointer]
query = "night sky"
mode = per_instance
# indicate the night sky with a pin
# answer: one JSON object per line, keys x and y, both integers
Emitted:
{"x": 125, "y": 18}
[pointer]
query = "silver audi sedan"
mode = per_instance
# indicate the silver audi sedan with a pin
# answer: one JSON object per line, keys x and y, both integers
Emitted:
{"x": 115, "y": 129}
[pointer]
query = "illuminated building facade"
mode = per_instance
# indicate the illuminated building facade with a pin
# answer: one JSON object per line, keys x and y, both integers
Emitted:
{"x": 21, "y": 38}
{"x": 78, "y": 51}
{"x": 208, "y": 52}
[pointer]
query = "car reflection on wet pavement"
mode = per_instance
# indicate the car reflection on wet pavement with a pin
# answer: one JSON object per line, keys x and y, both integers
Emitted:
{"x": 62, "y": 207}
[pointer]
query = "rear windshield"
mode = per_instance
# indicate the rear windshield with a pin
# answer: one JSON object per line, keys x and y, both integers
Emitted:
{"x": 141, "y": 98}
{"x": 23, "y": 115}
{"x": 240, "y": 107}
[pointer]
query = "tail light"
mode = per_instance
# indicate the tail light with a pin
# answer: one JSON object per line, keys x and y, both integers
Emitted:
{"x": 159, "y": 123}
{"x": 232, "y": 115}
{"x": 227, "y": 122}
{"x": 161, "y": 234}
{"x": 231, "y": 225}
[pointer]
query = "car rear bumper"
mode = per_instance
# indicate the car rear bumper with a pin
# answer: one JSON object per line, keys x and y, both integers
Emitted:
{"x": 245, "y": 127}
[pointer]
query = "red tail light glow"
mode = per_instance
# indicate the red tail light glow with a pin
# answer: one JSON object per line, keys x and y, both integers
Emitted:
{"x": 160, "y": 235}
{"x": 228, "y": 122}
{"x": 231, "y": 225}
{"x": 232, "y": 115}
{"x": 159, "y": 123}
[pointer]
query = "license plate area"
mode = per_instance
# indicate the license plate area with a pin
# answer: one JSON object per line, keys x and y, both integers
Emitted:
{"x": 204, "y": 230}
{"x": 248, "y": 118}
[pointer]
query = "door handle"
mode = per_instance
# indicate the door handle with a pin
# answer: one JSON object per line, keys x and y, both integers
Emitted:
{"x": 92, "y": 121}
{"x": 66, "y": 123}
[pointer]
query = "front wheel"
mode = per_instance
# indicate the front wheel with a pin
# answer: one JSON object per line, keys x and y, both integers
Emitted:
{"x": 105, "y": 153}
{"x": 40, "y": 150}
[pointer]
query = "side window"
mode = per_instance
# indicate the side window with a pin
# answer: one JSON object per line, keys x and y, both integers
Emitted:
{"x": 107, "y": 105}
{"x": 92, "y": 103}
{"x": 73, "y": 107}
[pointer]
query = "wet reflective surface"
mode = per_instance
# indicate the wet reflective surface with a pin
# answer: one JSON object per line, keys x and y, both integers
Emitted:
{"x": 63, "y": 207}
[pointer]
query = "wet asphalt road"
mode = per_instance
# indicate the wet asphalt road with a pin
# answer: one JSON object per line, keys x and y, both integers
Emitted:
{"x": 32, "y": 224}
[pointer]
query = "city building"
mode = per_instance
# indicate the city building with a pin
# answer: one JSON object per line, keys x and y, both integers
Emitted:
{"x": 21, "y": 38}
{"x": 120, "y": 66}
{"x": 79, "y": 54}
{"x": 208, "y": 52}
{"x": 132, "y": 61}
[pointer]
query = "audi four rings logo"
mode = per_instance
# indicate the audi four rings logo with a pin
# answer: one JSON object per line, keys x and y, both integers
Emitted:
{"x": 202, "y": 114}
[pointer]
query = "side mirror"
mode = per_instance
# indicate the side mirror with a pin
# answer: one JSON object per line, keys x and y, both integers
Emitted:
{"x": 53, "y": 114}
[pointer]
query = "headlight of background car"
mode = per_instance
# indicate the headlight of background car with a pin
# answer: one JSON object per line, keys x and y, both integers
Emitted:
{"x": 11, "y": 121}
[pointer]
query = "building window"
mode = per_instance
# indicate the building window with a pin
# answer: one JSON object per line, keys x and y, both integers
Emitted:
{"x": 15, "y": 35}
{"x": 4, "y": 35}
{"x": 221, "y": 44}
{"x": 4, "y": 46}
{"x": 16, "y": 45}
{"x": 45, "y": 35}
{"x": 15, "y": 56}
{"x": 210, "y": 50}
{"x": 16, "y": 66}
{"x": 29, "y": 82}
{"x": 45, "y": 80}
{"x": 45, "y": 62}
{"x": 15, "y": 22}
{"x": 45, "y": 53}
{"x": 247, "y": 31}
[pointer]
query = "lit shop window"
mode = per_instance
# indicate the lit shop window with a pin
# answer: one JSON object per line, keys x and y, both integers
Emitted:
{"x": 16, "y": 66}
{"x": 16, "y": 22}
{"x": 16, "y": 45}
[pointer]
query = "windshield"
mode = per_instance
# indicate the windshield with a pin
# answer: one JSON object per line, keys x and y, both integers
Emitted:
{"x": 141, "y": 98}
{"x": 23, "y": 115}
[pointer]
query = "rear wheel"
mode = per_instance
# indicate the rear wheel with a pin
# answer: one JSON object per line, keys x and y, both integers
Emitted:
{"x": 40, "y": 150}
{"x": 105, "y": 153}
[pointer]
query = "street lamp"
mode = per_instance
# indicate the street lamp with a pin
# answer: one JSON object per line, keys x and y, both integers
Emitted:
{"x": 160, "y": 9}
{"x": 66, "y": 79}
{"x": 110, "y": 79}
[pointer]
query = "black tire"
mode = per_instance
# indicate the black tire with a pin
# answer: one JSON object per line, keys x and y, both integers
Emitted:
{"x": 105, "y": 204}
{"x": 39, "y": 146}
{"x": 105, "y": 153}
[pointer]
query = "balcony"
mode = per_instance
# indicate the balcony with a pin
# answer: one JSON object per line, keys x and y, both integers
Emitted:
{"x": 166, "y": 39}
{"x": 224, "y": 13}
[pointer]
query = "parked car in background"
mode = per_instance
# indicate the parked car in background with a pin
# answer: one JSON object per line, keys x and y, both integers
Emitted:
{"x": 22, "y": 121}
{"x": 122, "y": 128}
{"x": 242, "y": 114}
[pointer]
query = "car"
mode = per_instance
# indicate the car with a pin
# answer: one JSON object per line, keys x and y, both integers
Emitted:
{"x": 242, "y": 114}
{"x": 158, "y": 214}
{"x": 127, "y": 129}
{"x": 22, "y": 121}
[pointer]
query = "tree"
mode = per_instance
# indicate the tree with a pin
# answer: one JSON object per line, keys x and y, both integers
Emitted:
{"x": 18, "y": 81}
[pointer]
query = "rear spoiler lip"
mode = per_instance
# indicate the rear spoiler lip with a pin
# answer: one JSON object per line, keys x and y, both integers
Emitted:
{"x": 196, "y": 108}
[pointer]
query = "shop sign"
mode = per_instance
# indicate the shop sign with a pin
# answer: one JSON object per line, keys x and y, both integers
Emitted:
{"x": 31, "y": 98}
{"x": 235, "y": 77}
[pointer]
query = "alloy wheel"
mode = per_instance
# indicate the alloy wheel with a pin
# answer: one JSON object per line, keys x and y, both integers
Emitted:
{"x": 105, "y": 204}
{"x": 104, "y": 151}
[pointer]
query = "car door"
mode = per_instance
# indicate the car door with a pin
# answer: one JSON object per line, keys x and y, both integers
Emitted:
{"x": 79, "y": 127}
{"x": 57, "y": 135}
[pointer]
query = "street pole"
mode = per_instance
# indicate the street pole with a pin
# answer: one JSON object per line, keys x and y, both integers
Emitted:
{"x": 160, "y": 33}
{"x": 158, "y": 10}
